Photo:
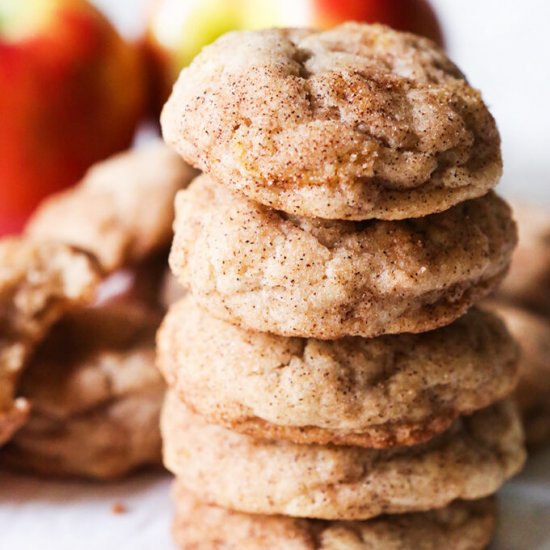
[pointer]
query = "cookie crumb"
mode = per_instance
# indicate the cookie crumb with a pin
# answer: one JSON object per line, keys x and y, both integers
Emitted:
{"x": 119, "y": 508}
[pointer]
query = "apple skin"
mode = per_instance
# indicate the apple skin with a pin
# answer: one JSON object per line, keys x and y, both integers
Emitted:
{"x": 178, "y": 29}
{"x": 414, "y": 16}
{"x": 72, "y": 93}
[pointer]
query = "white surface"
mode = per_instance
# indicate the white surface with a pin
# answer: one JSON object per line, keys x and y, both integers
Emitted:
{"x": 503, "y": 47}
{"x": 40, "y": 514}
{"x": 48, "y": 515}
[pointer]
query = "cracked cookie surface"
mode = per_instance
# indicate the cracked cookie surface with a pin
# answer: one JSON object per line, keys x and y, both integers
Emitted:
{"x": 469, "y": 461}
{"x": 459, "y": 526}
{"x": 264, "y": 270}
{"x": 356, "y": 122}
{"x": 377, "y": 392}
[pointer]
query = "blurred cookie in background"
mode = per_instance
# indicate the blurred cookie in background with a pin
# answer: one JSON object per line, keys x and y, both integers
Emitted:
{"x": 39, "y": 282}
{"x": 122, "y": 210}
{"x": 95, "y": 396}
{"x": 524, "y": 302}
{"x": 93, "y": 386}
{"x": 528, "y": 282}
{"x": 94, "y": 391}
{"x": 532, "y": 332}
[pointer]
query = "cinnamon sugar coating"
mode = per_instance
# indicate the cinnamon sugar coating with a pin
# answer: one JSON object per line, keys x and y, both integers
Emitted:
{"x": 264, "y": 270}
{"x": 469, "y": 461}
{"x": 356, "y": 122}
{"x": 122, "y": 210}
{"x": 459, "y": 526}
{"x": 377, "y": 392}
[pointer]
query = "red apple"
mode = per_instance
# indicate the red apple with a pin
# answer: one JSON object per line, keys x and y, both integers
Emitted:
{"x": 179, "y": 29}
{"x": 414, "y": 16}
{"x": 71, "y": 93}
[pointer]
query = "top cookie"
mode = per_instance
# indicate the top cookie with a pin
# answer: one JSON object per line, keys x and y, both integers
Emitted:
{"x": 122, "y": 211}
{"x": 354, "y": 123}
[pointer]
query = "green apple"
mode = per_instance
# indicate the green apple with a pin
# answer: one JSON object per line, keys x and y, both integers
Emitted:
{"x": 179, "y": 29}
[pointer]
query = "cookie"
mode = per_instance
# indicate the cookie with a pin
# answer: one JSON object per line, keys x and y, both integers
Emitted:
{"x": 95, "y": 409}
{"x": 469, "y": 461}
{"x": 532, "y": 332}
{"x": 528, "y": 283}
{"x": 122, "y": 211}
{"x": 96, "y": 397}
{"x": 357, "y": 122}
{"x": 267, "y": 271}
{"x": 459, "y": 526}
{"x": 39, "y": 281}
{"x": 381, "y": 392}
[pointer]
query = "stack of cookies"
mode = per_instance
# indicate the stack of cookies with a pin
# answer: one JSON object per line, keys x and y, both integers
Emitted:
{"x": 330, "y": 384}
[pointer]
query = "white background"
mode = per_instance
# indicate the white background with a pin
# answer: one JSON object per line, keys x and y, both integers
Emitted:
{"x": 503, "y": 47}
